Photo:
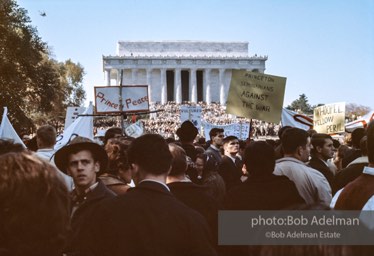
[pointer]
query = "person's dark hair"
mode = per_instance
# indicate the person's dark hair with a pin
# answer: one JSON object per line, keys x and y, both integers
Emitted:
{"x": 179, "y": 162}
{"x": 214, "y": 132}
{"x": 259, "y": 158}
{"x": 282, "y": 130}
{"x": 357, "y": 135}
{"x": 7, "y": 146}
{"x": 47, "y": 135}
{"x": 117, "y": 155}
{"x": 336, "y": 143}
{"x": 229, "y": 138}
{"x": 318, "y": 140}
{"x": 151, "y": 153}
{"x": 111, "y": 133}
{"x": 34, "y": 206}
{"x": 370, "y": 142}
{"x": 293, "y": 138}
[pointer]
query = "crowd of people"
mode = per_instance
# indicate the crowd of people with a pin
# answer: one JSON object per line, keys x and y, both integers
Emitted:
{"x": 152, "y": 196}
{"x": 165, "y": 119}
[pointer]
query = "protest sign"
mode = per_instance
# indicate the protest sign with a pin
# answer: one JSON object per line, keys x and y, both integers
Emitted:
{"x": 191, "y": 113}
{"x": 240, "y": 130}
{"x": 135, "y": 130}
{"x": 330, "y": 118}
{"x": 256, "y": 95}
{"x": 134, "y": 99}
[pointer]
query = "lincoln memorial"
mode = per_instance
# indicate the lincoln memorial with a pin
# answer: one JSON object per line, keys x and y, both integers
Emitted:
{"x": 180, "y": 71}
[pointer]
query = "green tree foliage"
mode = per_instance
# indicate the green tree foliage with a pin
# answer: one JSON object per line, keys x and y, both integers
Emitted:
{"x": 35, "y": 88}
{"x": 301, "y": 105}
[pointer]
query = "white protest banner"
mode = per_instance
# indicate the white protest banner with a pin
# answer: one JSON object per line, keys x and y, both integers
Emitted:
{"x": 82, "y": 126}
{"x": 360, "y": 123}
{"x": 72, "y": 114}
{"x": 7, "y": 131}
{"x": 256, "y": 95}
{"x": 240, "y": 130}
{"x": 329, "y": 118}
{"x": 134, "y": 99}
{"x": 293, "y": 119}
{"x": 191, "y": 113}
{"x": 135, "y": 130}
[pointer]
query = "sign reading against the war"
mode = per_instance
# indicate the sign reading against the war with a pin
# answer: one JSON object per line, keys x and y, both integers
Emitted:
{"x": 134, "y": 99}
{"x": 191, "y": 113}
{"x": 72, "y": 114}
{"x": 330, "y": 118}
{"x": 256, "y": 95}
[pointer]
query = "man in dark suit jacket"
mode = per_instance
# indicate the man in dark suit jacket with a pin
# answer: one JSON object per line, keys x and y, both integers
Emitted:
{"x": 323, "y": 149}
{"x": 148, "y": 219}
{"x": 262, "y": 190}
{"x": 231, "y": 165}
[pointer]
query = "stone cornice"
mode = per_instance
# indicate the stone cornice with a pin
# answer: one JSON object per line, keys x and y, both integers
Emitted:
{"x": 120, "y": 62}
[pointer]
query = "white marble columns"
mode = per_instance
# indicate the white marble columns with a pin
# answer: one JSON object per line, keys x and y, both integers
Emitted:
{"x": 134, "y": 73}
{"x": 213, "y": 85}
{"x": 207, "y": 86}
{"x": 221, "y": 83}
{"x": 149, "y": 83}
{"x": 177, "y": 86}
{"x": 163, "y": 86}
{"x": 107, "y": 77}
{"x": 193, "y": 86}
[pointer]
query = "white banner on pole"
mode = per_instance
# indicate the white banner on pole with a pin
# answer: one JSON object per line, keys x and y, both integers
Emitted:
{"x": 82, "y": 126}
{"x": 134, "y": 99}
{"x": 7, "y": 131}
{"x": 72, "y": 114}
{"x": 293, "y": 119}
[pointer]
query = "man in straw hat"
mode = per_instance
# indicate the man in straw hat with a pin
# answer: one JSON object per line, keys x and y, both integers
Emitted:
{"x": 84, "y": 161}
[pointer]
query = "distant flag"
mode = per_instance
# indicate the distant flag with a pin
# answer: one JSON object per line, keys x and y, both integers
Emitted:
{"x": 7, "y": 131}
{"x": 360, "y": 123}
{"x": 82, "y": 126}
{"x": 294, "y": 119}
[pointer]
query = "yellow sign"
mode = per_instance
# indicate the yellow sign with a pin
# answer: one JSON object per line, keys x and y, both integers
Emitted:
{"x": 256, "y": 95}
{"x": 329, "y": 118}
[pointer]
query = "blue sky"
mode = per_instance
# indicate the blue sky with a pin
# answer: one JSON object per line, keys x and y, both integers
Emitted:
{"x": 325, "y": 48}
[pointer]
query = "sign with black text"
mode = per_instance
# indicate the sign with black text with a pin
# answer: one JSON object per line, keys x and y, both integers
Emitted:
{"x": 134, "y": 99}
{"x": 256, "y": 95}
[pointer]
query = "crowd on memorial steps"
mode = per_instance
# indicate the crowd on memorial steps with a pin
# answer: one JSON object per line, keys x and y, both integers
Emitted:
{"x": 161, "y": 194}
{"x": 166, "y": 119}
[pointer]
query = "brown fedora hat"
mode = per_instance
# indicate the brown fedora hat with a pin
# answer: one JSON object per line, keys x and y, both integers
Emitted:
{"x": 77, "y": 144}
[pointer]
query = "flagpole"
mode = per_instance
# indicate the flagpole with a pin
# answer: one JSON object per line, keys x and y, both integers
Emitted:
{"x": 120, "y": 102}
